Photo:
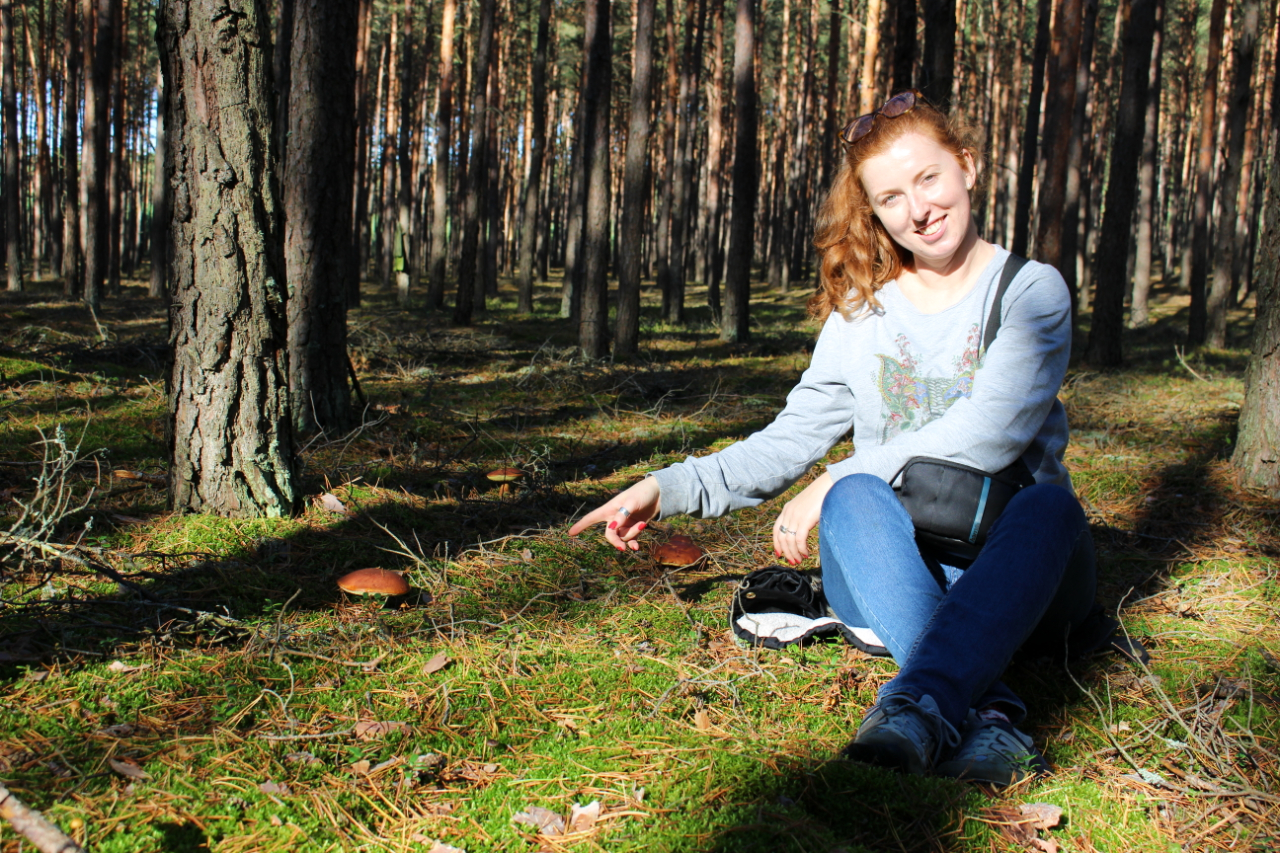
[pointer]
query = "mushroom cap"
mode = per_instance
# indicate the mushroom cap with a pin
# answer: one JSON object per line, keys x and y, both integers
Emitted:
{"x": 679, "y": 551}
{"x": 505, "y": 475}
{"x": 373, "y": 582}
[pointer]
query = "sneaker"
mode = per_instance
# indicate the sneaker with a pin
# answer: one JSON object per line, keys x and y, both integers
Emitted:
{"x": 992, "y": 750}
{"x": 902, "y": 733}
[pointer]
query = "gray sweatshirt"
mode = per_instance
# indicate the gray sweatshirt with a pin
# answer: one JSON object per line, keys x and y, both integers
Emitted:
{"x": 908, "y": 384}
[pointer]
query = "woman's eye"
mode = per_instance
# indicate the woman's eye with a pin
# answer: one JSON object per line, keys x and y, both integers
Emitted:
{"x": 888, "y": 200}
{"x": 928, "y": 179}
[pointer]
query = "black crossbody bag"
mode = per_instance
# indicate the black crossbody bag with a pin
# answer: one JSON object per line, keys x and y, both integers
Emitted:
{"x": 951, "y": 505}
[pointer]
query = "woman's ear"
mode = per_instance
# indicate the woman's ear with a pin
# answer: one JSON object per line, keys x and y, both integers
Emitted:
{"x": 970, "y": 169}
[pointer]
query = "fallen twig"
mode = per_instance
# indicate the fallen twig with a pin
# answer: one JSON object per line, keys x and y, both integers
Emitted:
{"x": 33, "y": 826}
{"x": 1178, "y": 352}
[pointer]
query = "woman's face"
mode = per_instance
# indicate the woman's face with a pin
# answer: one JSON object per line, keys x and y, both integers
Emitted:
{"x": 920, "y": 193}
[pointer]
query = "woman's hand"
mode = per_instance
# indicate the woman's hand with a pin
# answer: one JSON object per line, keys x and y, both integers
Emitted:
{"x": 798, "y": 517}
{"x": 628, "y": 512}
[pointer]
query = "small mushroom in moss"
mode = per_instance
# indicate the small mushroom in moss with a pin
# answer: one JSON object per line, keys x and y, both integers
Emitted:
{"x": 504, "y": 476}
{"x": 373, "y": 582}
{"x": 679, "y": 551}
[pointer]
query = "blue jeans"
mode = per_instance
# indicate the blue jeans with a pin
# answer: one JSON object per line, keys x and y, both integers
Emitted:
{"x": 953, "y": 631}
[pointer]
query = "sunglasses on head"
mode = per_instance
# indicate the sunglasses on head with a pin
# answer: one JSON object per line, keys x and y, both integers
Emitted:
{"x": 899, "y": 104}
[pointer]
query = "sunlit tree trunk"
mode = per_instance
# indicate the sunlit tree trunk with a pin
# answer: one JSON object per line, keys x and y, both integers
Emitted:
{"x": 12, "y": 193}
{"x": 1257, "y": 453}
{"x": 715, "y": 160}
{"x": 72, "y": 259}
{"x": 439, "y": 198}
{"x": 231, "y": 443}
{"x": 635, "y": 186}
{"x": 1246, "y": 26}
{"x": 468, "y": 268}
{"x": 870, "y": 52}
{"x": 538, "y": 148}
{"x": 1144, "y": 239}
{"x": 736, "y": 322}
{"x": 1106, "y": 334}
{"x": 1197, "y": 328}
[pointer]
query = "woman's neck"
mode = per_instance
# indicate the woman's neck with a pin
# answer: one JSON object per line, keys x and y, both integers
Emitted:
{"x": 935, "y": 288}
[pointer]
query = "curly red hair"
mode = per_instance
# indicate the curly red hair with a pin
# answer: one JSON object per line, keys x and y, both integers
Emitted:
{"x": 858, "y": 255}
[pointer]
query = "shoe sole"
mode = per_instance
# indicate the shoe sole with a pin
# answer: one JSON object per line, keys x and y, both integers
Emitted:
{"x": 882, "y": 755}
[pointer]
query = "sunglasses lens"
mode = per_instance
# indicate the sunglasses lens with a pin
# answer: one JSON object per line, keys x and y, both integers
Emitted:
{"x": 898, "y": 104}
{"x": 859, "y": 127}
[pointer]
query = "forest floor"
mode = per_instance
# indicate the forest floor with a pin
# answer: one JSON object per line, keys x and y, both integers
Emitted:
{"x": 183, "y": 683}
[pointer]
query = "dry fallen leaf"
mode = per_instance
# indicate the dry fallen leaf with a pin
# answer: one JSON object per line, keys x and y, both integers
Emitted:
{"x": 370, "y": 730}
{"x": 1045, "y": 845}
{"x": 545, "y": 821}
{"x": 583, "y": 818}
{"x": 526, "y": 555}
{"x": 438, "y": 662}
{"x": 274, "y": 788}
{"x": 361, "y": 767}
{"x": 119, "y": 730}
{"x": 702, "y": 720}
{"x": 1041, "y": 815}
{"x": 331, "y": 503}
{"x": 436, "y": 846}
{"x": 276, "y": 821}
{"x": 128, "y": 769}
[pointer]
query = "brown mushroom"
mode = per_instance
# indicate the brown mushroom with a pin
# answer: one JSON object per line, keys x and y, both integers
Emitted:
{"x": 373, "y": 582}
{"x": 679, "y": 551}
{"x": 505, "y": 476}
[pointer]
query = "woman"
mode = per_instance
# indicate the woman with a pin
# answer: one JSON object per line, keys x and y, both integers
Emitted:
{"x": 905, "y": 291}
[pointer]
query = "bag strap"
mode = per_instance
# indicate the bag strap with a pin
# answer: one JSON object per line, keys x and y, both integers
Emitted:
{"x": 1012, "y": 265}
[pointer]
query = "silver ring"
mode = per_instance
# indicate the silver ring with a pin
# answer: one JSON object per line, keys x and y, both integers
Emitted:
{"x": 787, "y": 530}
{"x": 623, "y": 511}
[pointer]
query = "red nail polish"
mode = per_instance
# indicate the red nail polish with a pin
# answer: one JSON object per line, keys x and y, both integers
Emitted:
{"x": 613, "y": 525}
{"x": 642, "y": 525}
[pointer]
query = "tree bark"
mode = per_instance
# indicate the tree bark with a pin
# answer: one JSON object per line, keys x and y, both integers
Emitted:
{"x": 1059, "y": 115}
{"x": 12, "y": 191}
{"x": 439, "y": 198}
{"x": 735, "y": 325}
{"x": 1257, "y": 453}
{"x": 593, "y": 327}
{"x": 474, "y": 178}
{"x": 360, "y": 183}
{"x": 230, "y": 438}
{"x": 715, "y": 159}
{"x": 1145, "y": 237}
{"x": 1106, "y": 345}
{"x": 635, "y": 186}
{"x": 1246, "y": 25}
{"x": 160, "y": 202}
{"x": 72, "y": 258}
{"x": 537, "y": 154}
{"x": 1031, "y": 134}
{"x": 870, "y": 52}
{"x": 319, "y": 165}
{"x": 93, "y": 185}
{"x": 1197, "y": 327}
{"x": 939, "y": 51}
{"x": 28, "y": 822}
{"x": 1078, "y": 155}
{"x": 115, "y": 166}
{"x": 904, "y": 44}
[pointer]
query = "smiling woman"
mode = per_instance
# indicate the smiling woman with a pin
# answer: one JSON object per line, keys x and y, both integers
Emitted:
{"x": 911, "y": 298}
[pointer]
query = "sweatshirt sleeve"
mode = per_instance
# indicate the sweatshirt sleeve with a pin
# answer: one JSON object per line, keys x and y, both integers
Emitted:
{"x": 818, "y": 412}
{"x": 1014, "y": 388}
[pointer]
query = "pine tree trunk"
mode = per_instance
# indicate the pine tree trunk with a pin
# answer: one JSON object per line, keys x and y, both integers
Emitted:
{"x": 468, "y": 267}
{"x": 830, "y": 145}
{"x": 319, "y": 162}
{"x": 635, "y": 186}
{"x": 715, "y": 160}
{"x": 1107, "y": 332}
{"x": 1145, "y": 236}
{"x": 231, "y": 443}
{"x": 939, "y": 51}
{"x": 593, "y": 327}
{"x": 1257, "y": 453}
{"x": 439, "y": 198}
{"x": 870, "y": 52}
{"x": 72, "y": 257}
{"x": 115, "y": 168}
{"x": 736, "y": 323}
{"x": 538, "y": 147}
{"x": 160, "y": 199}
{"x": 904, "y": 43}
{"x": 1199, "y": 262}
{"x": 12, "y": 192}
{"x": 1246, "y": 25}
{"x": 402, "y": 238}
{"x": 1059, "y": 114}
{"x": 93, "y": 184}
{"x": 1078, "y": 156}
{"x": 360, "y": 183}
{"x": 1031, "y": 134}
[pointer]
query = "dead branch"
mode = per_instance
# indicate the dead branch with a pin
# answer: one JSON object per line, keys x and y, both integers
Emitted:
{"x": 31, "y": 824}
